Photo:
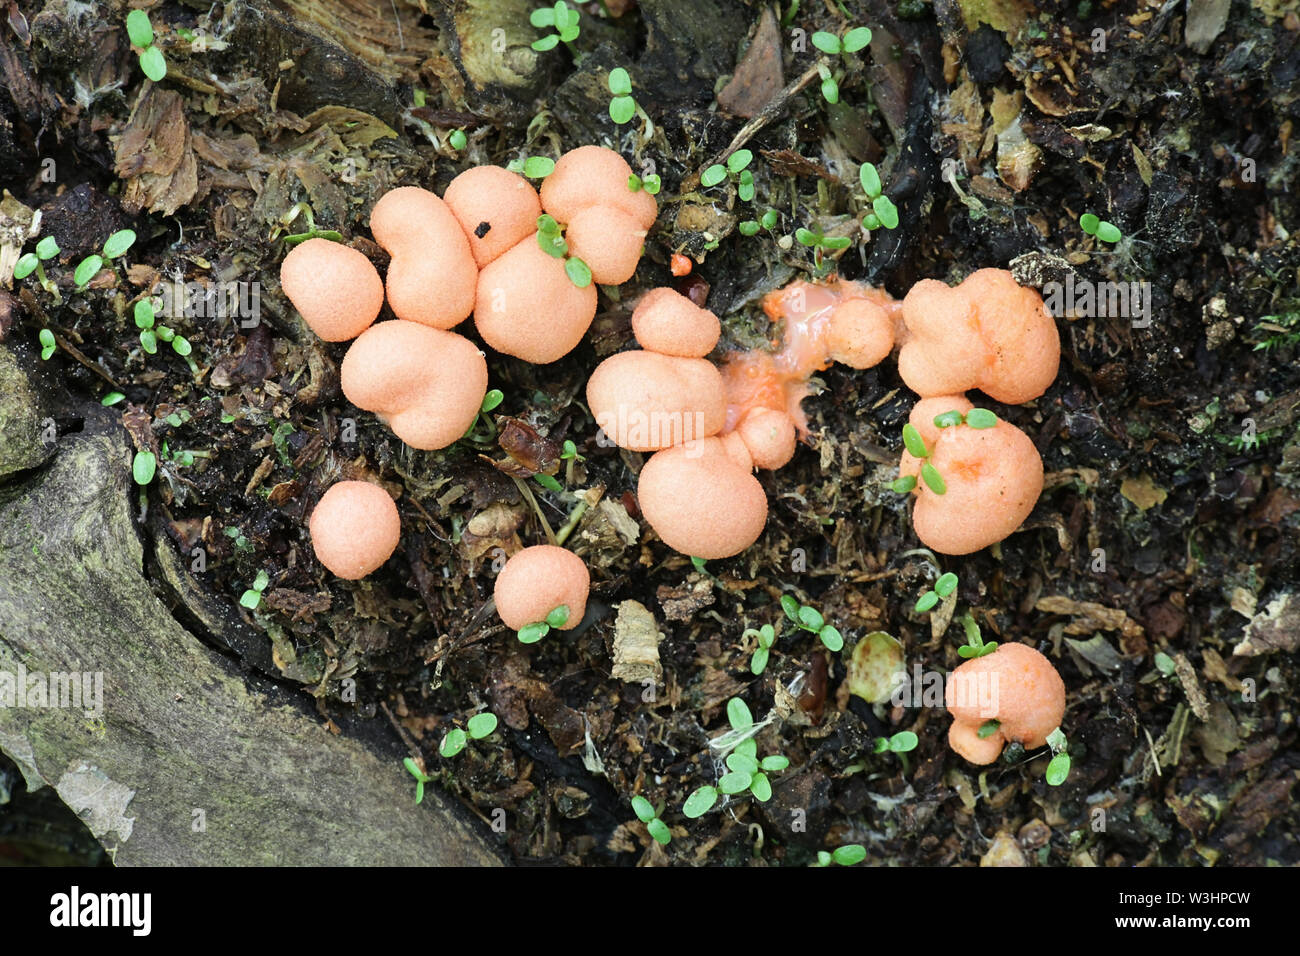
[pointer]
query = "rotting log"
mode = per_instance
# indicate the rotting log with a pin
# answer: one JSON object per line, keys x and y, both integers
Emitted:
{"x": 186, "y": 763}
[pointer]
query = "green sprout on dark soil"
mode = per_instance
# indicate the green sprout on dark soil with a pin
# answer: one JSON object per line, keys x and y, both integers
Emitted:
{"x": 645, "y": 812}
{"x": 1059, "y": 766}
{"x": 252, "y": 598}
{"x": 856, "y": 39}
{"x": 901, "y": 743}
{"x": 491, "y": 400}
{"x": 476, "y": 728}
{"x": 144, "y": 466}
{"x": 111, "y": 399}
{"x": 151, "y": 334}
{"x": 883, "y": 211}
{"x": 737, "y": 170}
{"x": 311, "y": 232}
{"x": 810, "y": 619}
{"x": 650, "y": 183}
{"x": 115, "y": 246}
{"x": 766, "y": 637}
{"x": 766, "y": 221}
{"x": 421, "y": 778}
{"x": 569, "y": 455}
{"x": 1277, "y": 331}
{"x": 1165, "y": 664}
{"x": 549, "y": 482}
{"x": 48, "y": 344}
{"x": 746, "y": 773}
{"x": 457, "y": 139}
{"x": 622, "y": 107}
{"x": 975, "y": 645}
{"x": 846, "y": 855}
{"x": 563, "y": 18}
{"x": 943, "y": 587}
{"x": 532, "y": 633}
{"x": 550, "y": 236}
{"x": 241, "y": 543}
{"x": 46, "y": 248}
{"x": 140, "y": 32}
{"x": 821, "y": 243}
{"x": 1095, "y": 226}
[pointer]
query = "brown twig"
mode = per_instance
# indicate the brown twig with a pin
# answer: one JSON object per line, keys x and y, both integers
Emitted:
{"x": 768, "y": 113}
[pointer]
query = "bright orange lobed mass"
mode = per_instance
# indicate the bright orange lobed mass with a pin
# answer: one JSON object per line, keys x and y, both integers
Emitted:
{"x": 1015, "y": 685}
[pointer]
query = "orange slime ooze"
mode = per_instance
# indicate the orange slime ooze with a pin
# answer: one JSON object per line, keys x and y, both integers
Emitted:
{"x": 779, "y": 380}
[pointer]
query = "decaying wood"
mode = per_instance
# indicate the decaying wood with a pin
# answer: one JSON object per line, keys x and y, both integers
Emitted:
{"x": 185, "y": 764}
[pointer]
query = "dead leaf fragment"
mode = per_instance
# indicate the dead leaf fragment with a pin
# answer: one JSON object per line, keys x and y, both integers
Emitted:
{"x": 1276, "y": 629}
{"x": 1143, "y": 492}
{"x": 1089, "y": 616}
{"x": 758, "y": 77}
{"x": 155, "y": 155}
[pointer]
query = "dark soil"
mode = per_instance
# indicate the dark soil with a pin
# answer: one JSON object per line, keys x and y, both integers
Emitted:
{"x": 1170, "y": 515}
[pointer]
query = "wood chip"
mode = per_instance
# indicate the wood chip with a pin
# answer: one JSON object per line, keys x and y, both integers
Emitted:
{"x": 1089, "y": 616}
{"x": 636, "y": 645}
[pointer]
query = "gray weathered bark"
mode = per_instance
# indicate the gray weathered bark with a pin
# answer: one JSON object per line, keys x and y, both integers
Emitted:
{"x": 181, "y": 737}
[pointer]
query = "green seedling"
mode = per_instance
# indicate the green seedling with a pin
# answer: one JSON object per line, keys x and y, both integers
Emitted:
{"x": 420, "y": 778}
{"x": 476, "y": 728}
{"x": 810, "y": 619}
{"x": 86, "y": 270}
{"x": 242, "y": 544}
{"x": 766, "y": 221}
{"x": 457, "y": 139}
{"x": 144, "y": 466}
{"x": 651, "y": 183}
{"x": 1272, "y": 331}
{"x": 48, "y": 345}
{"x": 943, "y": 587}
{"x": 766, "y": 637}
{"x": 46, "y": 248}
{"x": 901, "y": 743}
{"x": 622, "y": 107}
{"x": 975, "y": 645}
{"x": 533, "y": 167}
{"x": 821, "y": 243}
{"x": 645, "y": 812}
{"x": 151, "y": 334}
{"x": 140, "y": 31}
{"x": 116, "y": 245}
{"x": 111, "y": 399}
{"x": 569, "y": 455}
{"x": 883, "y": 211}
{"x": 746, "y": 773}
{"x": 563, "y": 18}
{"x": 550, "y": 236}
{"x": 737, "y": 170}
{"x": 856, "y": 39}
{"x": 915, "y": 446}
{"x": 252, "y": 598}
{"x": 847, "y": 855}
{"x": 1165, "y": 664}
{"x": 532, "y": 633}
{"x": 311, "y": 232}
{"x": 1058, "y": 769}
{"x": 491, "y": 400}
{"x": 1094, "y": 226}
{"x": 549, "y": 482}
